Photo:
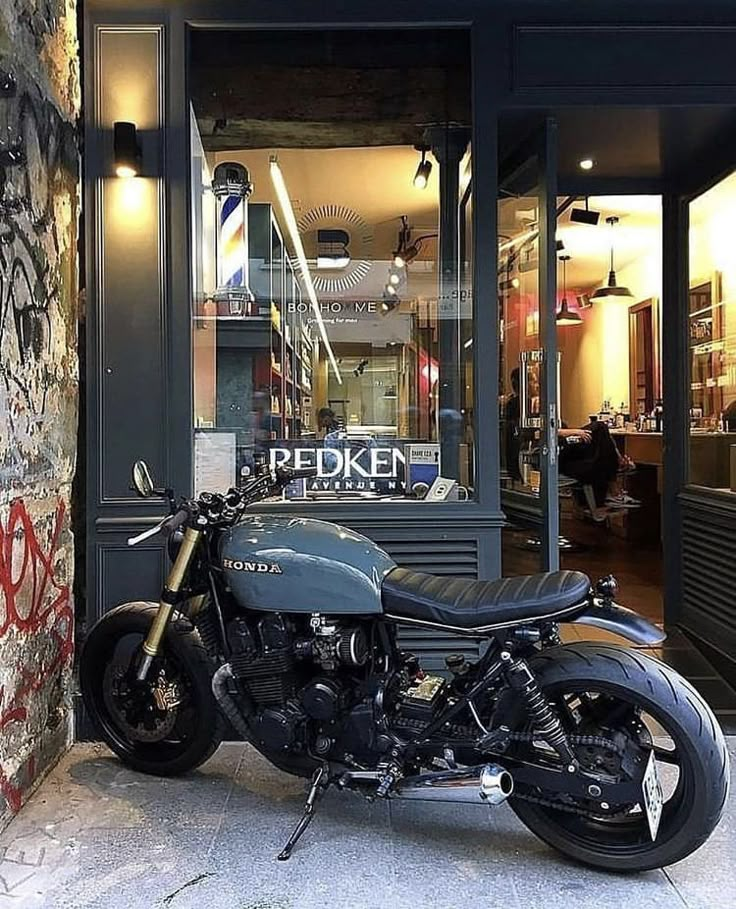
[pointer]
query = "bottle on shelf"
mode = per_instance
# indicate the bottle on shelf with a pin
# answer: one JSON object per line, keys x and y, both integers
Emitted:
{"x": 620, "y": 420}
{"x": 658, "y": 415}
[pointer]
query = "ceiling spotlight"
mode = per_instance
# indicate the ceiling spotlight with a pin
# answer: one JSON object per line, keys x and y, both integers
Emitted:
{"x": 586, "y": 164}
{"x": 126, "y": 149}
{"x": 399, "y": 260}
{"x": 585, "y": 215}
{"x": 421, "y": 177}
{"x": 390, "y": 290}
{"x": 388, "y": 304}
{"x": 394, "y": 278}
{"x": 612, "y": 290}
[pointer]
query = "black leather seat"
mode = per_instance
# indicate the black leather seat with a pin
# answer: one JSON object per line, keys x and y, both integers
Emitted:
{"x": 466, "y": 604}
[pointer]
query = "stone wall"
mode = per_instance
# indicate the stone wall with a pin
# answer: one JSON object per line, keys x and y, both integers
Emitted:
{"x": 39, "y": 207}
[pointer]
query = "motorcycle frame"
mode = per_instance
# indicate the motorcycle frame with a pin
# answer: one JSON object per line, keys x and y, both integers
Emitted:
{"x": 507, "y": 646}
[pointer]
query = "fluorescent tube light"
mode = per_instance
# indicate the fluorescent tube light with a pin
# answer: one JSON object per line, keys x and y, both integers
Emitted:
{"x": 277, "y": 178}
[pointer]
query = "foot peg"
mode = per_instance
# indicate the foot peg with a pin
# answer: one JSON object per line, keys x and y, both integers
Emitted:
{"x": 320, "y": 782}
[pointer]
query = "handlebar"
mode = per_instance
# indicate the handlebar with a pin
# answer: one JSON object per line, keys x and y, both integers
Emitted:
{"x": 284, "y": 475}
{"x": 216, "y": 509}
{"x": 176, "y": 520}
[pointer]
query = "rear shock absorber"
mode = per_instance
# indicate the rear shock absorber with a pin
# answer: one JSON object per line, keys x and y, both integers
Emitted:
{"x": 545, "y": 722}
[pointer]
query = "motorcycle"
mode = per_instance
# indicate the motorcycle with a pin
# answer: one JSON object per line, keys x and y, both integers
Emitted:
{"x": 283, "y": 631}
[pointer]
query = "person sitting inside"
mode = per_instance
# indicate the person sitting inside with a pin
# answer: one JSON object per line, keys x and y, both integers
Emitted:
{"x": 590, "y": 456}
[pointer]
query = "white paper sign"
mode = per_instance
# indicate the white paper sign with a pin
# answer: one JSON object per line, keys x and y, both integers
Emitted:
{"x": 214, "y": 461}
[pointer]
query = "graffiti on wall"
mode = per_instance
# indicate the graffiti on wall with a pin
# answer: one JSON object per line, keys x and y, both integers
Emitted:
{"x": 34, "y": 603}
{"x": 37, "y": 333}
{"x": 39, "y": 100}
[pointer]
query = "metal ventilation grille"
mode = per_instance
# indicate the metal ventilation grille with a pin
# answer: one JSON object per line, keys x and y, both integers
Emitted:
{"x": 709, "y": 573}
{"x": 455, "y": 558}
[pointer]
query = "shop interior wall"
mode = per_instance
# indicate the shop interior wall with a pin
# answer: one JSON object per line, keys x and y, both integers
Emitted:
{"x": 594, "y": 362}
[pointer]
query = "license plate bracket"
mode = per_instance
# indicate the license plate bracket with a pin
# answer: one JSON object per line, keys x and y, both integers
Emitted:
{"x": 652, "y": 796}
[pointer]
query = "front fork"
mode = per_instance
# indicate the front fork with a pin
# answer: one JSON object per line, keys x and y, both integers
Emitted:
{"x": 169, "y": 599}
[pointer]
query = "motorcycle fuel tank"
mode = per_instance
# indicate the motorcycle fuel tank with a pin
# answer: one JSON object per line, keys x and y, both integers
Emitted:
{"x": 286, "y": 564}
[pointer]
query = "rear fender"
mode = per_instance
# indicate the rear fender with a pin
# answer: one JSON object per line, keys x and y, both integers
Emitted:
{"x": 609, "y": 616}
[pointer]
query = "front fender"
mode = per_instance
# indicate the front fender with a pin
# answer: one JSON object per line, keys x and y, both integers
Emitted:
{"x": 609, "y": 616}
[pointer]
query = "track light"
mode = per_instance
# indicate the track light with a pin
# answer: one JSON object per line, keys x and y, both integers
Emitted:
{"x": 126, "y": 149}
{"x": 409, "y": 254}
{"x": 421, "y": 177}
{"x": 390, "y": 290}
{"x": 394, "y": 278}
{"x": 585, "y": 215}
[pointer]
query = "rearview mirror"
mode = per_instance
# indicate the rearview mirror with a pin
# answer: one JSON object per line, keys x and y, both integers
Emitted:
{"x": 142, "y": 480}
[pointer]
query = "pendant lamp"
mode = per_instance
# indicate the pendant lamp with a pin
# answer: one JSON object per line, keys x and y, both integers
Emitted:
{"x": 612, "y": 290}
{"x": 565, "y": 315}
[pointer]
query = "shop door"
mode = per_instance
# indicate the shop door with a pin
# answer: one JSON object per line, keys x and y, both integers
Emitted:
{"x": 528, "y": 380}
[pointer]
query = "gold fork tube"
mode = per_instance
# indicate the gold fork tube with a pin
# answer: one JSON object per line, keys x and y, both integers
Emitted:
{"x": 168, "y": 598}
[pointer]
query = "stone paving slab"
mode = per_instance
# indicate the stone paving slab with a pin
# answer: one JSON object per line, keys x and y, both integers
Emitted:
{"x": 98, "y": 836}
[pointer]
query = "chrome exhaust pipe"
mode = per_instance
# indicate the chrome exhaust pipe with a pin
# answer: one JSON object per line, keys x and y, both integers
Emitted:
{"x": 486, "y": 784}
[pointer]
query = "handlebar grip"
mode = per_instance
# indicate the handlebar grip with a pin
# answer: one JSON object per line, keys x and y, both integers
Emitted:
{"x": 176, "y": 520}
{"x": 287, "y": 474}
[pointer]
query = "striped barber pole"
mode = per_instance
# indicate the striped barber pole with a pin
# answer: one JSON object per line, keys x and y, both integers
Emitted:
{"x": 232, "y": 262}
{"x": 232, "y": 187}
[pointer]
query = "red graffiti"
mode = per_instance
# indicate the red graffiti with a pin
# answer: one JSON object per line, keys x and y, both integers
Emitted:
{"x": 32, "y": 601}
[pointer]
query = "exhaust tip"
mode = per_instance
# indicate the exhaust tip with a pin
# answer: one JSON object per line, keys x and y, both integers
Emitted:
{"x": 496, "y": 784}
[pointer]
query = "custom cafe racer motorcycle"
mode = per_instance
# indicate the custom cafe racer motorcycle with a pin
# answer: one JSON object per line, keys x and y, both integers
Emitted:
{"x": 285, "y": 629}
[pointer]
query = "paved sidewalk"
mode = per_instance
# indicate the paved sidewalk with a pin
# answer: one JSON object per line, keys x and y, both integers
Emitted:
{"x": 97, "y": 835}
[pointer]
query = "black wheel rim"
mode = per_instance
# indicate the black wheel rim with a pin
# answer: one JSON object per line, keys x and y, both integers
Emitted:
{"x": 627, "y": 834}
{"x": 115, "y": 662}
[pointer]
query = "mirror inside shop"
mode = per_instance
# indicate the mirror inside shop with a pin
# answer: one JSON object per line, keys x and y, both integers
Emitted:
{"x": 332, "y": 324}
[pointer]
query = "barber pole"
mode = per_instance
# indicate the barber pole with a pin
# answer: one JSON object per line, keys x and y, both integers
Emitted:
{"x": 232, "y": 187}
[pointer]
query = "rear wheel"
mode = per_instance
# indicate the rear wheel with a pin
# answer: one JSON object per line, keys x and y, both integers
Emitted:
{"x": 171, "y": 722}
{"x": 604, "y": 693}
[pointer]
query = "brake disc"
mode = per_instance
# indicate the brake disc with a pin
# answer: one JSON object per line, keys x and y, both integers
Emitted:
{"x": 148, "y": 715}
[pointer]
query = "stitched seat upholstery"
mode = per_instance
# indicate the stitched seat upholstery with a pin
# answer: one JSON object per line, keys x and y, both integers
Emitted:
{"x": 464, "y": 603}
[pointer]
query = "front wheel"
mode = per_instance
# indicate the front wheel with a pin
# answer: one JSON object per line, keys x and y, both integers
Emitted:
{"x": 168, "y": 724}
{"x": 606, "y": 692}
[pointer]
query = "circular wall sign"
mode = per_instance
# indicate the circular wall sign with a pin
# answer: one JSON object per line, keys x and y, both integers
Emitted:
{"x": 339, "y": 242}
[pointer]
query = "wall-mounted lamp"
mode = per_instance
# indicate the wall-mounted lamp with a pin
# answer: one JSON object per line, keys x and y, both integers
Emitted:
{"x": 126, "y": 150}
{"x": 421, "y": 177}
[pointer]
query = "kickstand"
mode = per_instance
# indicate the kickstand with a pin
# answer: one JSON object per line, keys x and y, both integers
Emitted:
{"x": 319, "y": 784}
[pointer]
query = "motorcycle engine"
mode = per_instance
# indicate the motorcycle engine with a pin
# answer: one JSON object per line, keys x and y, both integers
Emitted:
{"x": 314, "y": 690}
{"x": 298, "y": 679}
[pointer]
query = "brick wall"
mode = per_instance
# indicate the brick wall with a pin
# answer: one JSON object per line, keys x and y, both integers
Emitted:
{"x": 39, "y": 207}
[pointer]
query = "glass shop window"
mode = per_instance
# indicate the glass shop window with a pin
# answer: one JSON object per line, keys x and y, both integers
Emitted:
{"x": 712, "y": 337}
{"x": 332, "y": 261}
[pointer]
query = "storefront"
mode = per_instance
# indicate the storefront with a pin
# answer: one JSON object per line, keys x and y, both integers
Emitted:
{"x": 331, "y": 237}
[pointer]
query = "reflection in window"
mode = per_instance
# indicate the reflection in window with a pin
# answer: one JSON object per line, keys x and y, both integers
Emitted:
{"x": 712, "y": 337}
{"x": 332, "y": 320}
